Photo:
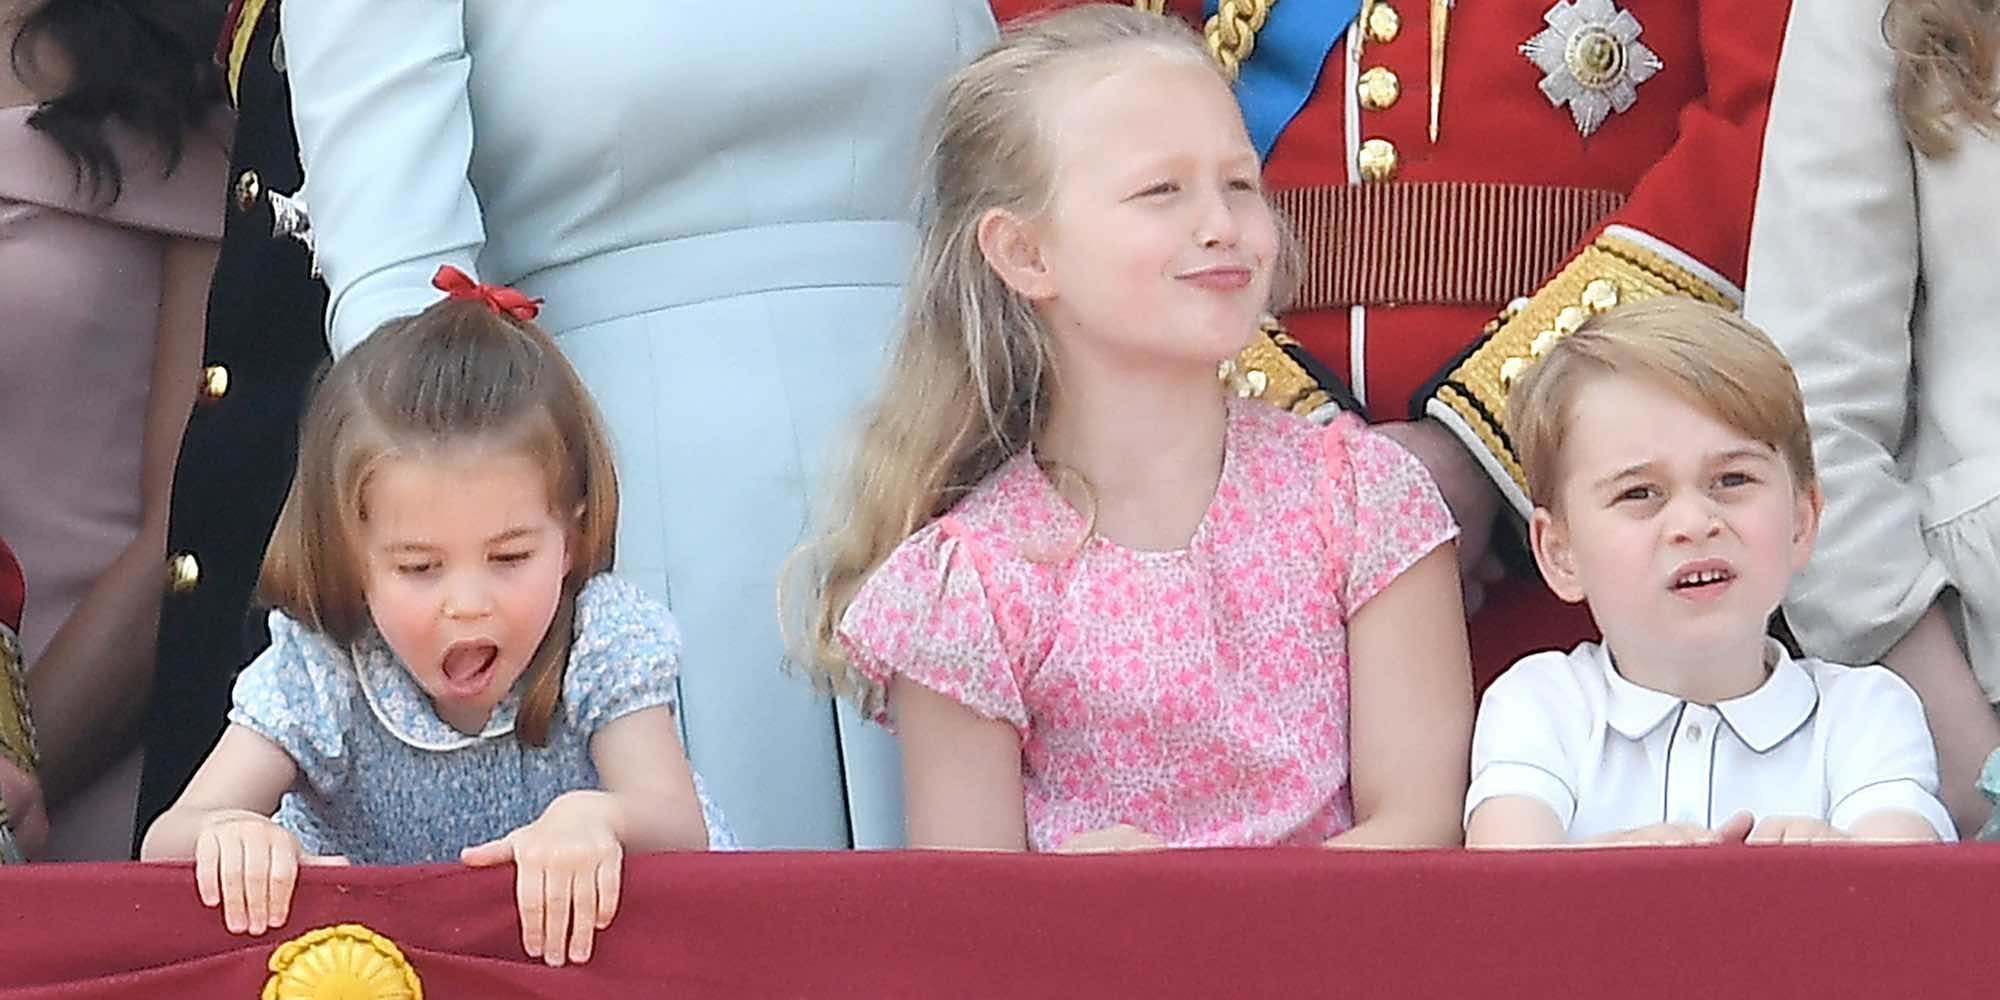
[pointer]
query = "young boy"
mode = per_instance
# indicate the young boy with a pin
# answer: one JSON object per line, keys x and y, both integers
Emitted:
{"x": 1666, "y": 450}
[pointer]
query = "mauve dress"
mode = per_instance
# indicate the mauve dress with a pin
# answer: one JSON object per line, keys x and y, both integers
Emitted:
{"x": 79, "y": 310}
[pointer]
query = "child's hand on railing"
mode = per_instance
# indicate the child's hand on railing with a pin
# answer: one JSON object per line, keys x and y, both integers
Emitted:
{"x": 568, "y": 866}
{"x": 248, "y": 865}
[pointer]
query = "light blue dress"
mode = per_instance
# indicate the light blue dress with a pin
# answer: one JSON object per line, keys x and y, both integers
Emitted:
{"x": 715, "y": 200}
{"x": 384, "y": 781}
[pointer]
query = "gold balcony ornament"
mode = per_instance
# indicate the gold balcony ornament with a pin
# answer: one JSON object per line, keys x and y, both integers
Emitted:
{"x": 344, "y": 962}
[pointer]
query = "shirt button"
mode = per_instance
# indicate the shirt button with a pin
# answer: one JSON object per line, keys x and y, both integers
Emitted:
{"x": 1694, "y": 733}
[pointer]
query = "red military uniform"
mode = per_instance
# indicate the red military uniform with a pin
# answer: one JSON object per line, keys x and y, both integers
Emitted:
{"x": 1413, "y": 244}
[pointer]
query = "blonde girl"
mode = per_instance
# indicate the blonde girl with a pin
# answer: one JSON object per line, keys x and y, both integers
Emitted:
{"x": 1871, "y": 266}
{"x": 452, "y": 674}
{"x": 1105, "y": 603}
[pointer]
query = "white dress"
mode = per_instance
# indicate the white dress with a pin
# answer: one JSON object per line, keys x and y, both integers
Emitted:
{"x": 716, "y": 202}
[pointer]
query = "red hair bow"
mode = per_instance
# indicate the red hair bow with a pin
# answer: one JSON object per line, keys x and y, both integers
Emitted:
{"x": 454, "y": 283}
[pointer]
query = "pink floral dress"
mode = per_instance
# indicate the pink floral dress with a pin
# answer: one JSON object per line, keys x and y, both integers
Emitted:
{"x": 1198, "y": 694}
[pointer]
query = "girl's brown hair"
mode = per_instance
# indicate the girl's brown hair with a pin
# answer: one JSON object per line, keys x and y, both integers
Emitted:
{"x": 456, "y": 374}
{"x": 965, "y": 385}
{"x": 1946, "y": 51}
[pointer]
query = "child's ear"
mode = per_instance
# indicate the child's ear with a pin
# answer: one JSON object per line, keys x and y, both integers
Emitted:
{"x": 1805, "y": 524}
{"x": 1011, "y": 249}
{"x": 1548, "y": 535}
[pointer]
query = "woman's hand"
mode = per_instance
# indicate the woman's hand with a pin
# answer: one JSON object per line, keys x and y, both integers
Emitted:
{"x": 247, "y": 864}
{"x": 568, "y": 866}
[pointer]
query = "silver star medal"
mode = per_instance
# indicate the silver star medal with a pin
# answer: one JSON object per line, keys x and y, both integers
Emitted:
{"x": 1593, "y": 60}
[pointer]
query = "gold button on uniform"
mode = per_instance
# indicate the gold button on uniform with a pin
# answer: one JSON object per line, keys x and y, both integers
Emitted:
{"x": 1377, "y": 160}
{"x": 1384, "y": 24}
{"x": 214, "y": 383}
{"x": 248, "y": 189}
{"x": 1378, "y": 88}
{"x": 1601, "y": 294}
{"x": 183, "y": 572}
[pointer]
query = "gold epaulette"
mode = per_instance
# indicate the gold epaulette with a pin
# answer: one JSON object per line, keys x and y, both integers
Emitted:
{"x": 1274, "y": 369}
{"x": 17, "y": 730}
{"x": 1612, "y": 269}
{"x": 237, "y": 31}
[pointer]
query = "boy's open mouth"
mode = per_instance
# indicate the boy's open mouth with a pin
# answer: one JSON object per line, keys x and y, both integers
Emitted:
{"x": 1699, "y": 580}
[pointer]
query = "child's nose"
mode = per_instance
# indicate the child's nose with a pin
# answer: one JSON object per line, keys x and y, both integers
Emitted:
{"x": 466, "y": 597}
{"x": 1219, "y": 226}
{"x": 1694, "y": 517}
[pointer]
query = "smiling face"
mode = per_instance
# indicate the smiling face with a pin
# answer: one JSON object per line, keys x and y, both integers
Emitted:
{"x": 1681, "y": 531}
{"x": 463, "y": 567}
{"x": 1157, "y": 247}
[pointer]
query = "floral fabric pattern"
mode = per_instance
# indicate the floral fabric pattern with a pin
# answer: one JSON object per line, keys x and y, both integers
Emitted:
{"x": 1199, "y": 694}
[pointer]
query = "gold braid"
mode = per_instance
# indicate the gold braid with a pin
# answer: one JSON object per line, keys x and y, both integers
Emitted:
{"x": 1231, "y": 33}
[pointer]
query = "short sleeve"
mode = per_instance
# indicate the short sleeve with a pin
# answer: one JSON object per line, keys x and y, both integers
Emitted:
{"x": 1517, "y": 747}
{"x": 929, "y": 614}
{"x": 299, "y": 694}
{"x": 625, "y": 657}
{"x": 1386, "y": 512}
{"x": 1879, "y": 753}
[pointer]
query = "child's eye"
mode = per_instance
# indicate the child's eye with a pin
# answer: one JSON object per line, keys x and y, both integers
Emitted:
{"x": 1729, "y": 480}
{"x": 1162, "y": 188}
{"x": 415, "y": 569}
{"x": 1243, "y": 184}
{"x": 1637, "y": 494}
{"x": 513, "y": 557}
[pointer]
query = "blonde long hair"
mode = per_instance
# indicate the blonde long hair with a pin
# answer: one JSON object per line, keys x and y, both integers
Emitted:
{"x": 457, "y": 373}
{"x": 1946, "y": 55}
{"x": 965, "y": 385}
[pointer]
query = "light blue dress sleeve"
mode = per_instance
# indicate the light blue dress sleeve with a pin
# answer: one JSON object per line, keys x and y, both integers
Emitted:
{"x": 379, "y": 95}
{"x": 296, "y": 693}
{"x": 625, "y": 658}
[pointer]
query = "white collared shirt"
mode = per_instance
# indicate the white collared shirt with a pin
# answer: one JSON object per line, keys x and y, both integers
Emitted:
{"x": 1815, "y": 739}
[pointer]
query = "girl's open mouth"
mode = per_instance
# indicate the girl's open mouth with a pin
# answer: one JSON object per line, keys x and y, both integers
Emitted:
{"x": 468, "y": 665}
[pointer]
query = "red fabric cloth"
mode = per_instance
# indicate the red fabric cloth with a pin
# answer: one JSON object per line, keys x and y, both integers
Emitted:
{"x": 1635, "y": 923}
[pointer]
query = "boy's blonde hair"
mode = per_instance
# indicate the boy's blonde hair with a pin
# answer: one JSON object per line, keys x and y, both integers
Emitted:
{"x": 457, "y": 374}
{"x": 964, "y": 388}
{"x": 1716, "y": 360}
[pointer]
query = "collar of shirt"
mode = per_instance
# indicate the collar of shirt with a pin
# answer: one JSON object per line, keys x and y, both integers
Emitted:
{"x": 1762, "y": 719}
{"x": 406, "y": 711}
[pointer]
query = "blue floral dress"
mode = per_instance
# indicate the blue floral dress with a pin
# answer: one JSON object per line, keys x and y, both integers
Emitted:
{"x": 383, "y": 780}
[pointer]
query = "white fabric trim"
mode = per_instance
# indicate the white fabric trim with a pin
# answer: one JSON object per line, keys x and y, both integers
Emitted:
{"x": 1680, "y": 257}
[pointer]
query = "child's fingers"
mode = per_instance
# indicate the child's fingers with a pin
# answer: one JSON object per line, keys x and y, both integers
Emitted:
{"x": 257, "y": 883}
{"x": 583, "y": 915}
{"x": 493, "y": 852}
{"x": 325, "y": 861}
{"x": 284, "y": 878}
{"x": 1736, "y": 828}
{"x": 530, "y": 899}
{"x": 555, "y": 915}
{"x": 229, "y": 875}
{"x": 207, "y": 878}
{"x": 610, "y": 884}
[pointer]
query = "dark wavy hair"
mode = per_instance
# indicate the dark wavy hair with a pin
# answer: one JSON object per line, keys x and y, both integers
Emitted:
{"x": 147, "y": 64}
{"x": 1946, "y": 55}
